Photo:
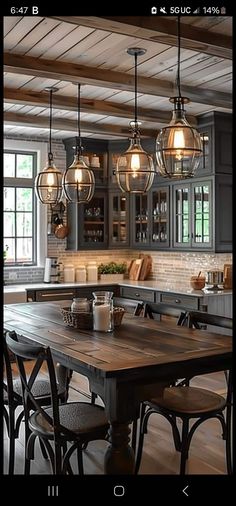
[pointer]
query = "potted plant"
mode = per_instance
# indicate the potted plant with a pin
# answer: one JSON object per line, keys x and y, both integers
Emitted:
{"x": 112, "y": 271}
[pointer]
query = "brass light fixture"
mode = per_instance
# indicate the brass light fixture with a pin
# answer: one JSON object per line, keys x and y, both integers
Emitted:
{"x": 135, "y": 168}
{"x": 78, "y": 180}
{"x": 48, "y": 183}
{"x": 179, "y": 145}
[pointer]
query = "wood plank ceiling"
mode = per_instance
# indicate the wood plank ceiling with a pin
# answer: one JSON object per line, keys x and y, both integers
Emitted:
{"x": 61, "y": 51}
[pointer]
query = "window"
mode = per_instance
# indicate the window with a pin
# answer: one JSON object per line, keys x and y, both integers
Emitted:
{"x": 20, "y": 218}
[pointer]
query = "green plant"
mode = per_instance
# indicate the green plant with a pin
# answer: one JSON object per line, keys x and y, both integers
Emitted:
{"x": 5, "y": 252}
{"x": 112, "y": 268}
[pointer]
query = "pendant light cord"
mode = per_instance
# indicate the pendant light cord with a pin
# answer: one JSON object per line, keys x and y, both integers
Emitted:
{"x": 79, "y": 144}
{"x": 50, "y": 155}
{"x": 178, "y": 63}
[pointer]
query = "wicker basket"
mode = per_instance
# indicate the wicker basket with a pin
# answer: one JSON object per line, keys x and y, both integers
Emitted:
{"x": 85, "y": 320}
{"x": 118, "y": 313}
{"x": 77, "y": 320}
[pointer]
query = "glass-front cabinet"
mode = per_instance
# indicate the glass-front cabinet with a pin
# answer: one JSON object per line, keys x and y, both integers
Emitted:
{"x": 205, "y": 162}
{"x": 98, "y": 163}
{"x": 88, "y": 223}
{"x": 118, "y": 219}
{"x": 160, "y": 235}
{"x": 151, "y": 219}
{"x": 193, "y": 215}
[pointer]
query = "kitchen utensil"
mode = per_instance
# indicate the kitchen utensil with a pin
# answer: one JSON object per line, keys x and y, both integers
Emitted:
{"x": 61, "y": 231}
{"x": 197, "y": 282}
{"x": 215, "y": 278}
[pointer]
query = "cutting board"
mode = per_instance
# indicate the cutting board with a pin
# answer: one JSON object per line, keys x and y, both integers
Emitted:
{"x": 146, "y": 266}
{"x": 135, "y": 269}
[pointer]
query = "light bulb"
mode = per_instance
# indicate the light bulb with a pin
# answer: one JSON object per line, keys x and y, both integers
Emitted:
{"x": 179, "y": 143}
{"x": 78, "y": 176}
{"x": 135, "y": 162}
{"x": 50, "y": 183}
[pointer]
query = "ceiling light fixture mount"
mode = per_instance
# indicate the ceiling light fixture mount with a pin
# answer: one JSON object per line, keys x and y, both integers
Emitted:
{"x": 179, "y": 145}
{"x": 135, "y": 168}
{"x": 48, "y": 183}
{"x": 78, "y": 180}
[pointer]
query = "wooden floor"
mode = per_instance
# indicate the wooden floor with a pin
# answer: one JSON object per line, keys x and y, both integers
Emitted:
{"x": 207, "y": 450}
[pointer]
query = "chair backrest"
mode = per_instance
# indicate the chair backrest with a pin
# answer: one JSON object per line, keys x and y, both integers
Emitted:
{"x": 165, "y": 310}
{"x": 196, "y": 318}
{"x": 130, "y": 305}
{"x": 41, "y": 355}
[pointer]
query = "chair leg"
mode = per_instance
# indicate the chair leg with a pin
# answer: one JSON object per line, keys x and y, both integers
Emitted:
{"x": 140, "y": 438}
{"x": 134, "y": 434}
{"x": 44, "y": 453}
{"x": 11, "y": 441}
{"x": 184, "y": 445}
{"x": 80, "y": 461}
{"x": 93, "y": 397}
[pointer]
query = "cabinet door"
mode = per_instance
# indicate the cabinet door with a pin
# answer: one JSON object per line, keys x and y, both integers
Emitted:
{"x": 140, "y": 232}
{"x": 202, "y": 214}
{"x": 160, "y": 218}
{"x": 98, "y": 163}
{"x": 205, "y": 164}
{"x": 118, "y": 219}
{"x": 182, "y": 221}
{"x": 93, "y": 231}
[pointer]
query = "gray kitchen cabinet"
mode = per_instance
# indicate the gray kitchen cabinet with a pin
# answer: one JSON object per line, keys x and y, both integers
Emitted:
{"x": 119, "y": 219}
{"x": 68, "y": 293}
{"x": 150, "y": 219}
{"x": 137, "y": 293}
{"x": 193, "y": 215}
{"x": 88, "y": 223}
{"x": 216, "y": 132}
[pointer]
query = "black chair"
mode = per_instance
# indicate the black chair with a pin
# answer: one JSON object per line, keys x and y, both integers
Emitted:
{"x": 187, "y": 402}
{"x": 150, "y": 310}
{"x": 130, "y": 305}
{"x": 12, "y": 399}
{"x": 77, "y": 423}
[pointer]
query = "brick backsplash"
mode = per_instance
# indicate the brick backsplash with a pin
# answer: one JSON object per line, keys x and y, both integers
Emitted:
{"x": 167, "y": 266}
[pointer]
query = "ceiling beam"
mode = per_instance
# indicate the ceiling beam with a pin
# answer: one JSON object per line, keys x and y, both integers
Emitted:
{"x": 67, "y": 103}
{"x": 159, "y": 29}
{"x": 72, "y": 72}
{"x": 71, "y": 125}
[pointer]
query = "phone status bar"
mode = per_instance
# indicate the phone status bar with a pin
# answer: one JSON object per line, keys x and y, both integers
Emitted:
{"x": 206, "y": 10}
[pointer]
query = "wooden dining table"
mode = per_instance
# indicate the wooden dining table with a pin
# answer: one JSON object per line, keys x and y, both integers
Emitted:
{"x": 124, "y": 367}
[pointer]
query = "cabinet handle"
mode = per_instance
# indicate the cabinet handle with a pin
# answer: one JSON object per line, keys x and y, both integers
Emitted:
{"x": 51, "y": 294}
{"x": 137, "y": 294}
{"x": 177, "y": 301}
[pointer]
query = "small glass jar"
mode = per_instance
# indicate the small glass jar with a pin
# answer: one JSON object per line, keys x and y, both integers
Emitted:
{"x": 80, "y": 274}
{"x": 103, "y": 311}
{"x": 80, "y": 305}
{"x": 69, "y": 273}
{"x": 92, "y": 271}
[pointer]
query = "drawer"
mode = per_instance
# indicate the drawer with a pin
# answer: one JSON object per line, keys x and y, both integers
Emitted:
{"x": 88, "y": 291}
{"x": 47, "y": 295}
{"x": 136, "y": 293}
{"x": 179, "y": 300}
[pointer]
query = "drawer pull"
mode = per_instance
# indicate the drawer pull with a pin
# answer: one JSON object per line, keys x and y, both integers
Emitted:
{"x": 177, "y": 301}
{"x": 53, "y": 294}
{"x": 137, "y": 294}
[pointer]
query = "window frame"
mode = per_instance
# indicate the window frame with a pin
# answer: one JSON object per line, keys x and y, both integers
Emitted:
{"x": 40, "y": 149}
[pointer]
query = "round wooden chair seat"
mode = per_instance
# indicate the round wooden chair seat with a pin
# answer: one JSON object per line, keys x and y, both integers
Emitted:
{"x": 190, "y": 400}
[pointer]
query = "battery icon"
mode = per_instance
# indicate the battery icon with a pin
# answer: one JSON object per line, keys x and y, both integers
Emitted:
{"x": 223, "y": 10}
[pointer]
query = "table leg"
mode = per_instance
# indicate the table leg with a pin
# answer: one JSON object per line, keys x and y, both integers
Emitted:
{"x": 119, "y": 457}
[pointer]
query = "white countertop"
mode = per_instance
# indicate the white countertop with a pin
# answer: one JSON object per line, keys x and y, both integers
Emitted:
{"x": 147, "y": 284}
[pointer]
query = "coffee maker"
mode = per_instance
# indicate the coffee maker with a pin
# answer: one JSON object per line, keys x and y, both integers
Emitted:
{"x": 51, "y": 270}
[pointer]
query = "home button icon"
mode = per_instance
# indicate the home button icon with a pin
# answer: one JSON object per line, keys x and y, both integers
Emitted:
{"x": 119, "y": 490}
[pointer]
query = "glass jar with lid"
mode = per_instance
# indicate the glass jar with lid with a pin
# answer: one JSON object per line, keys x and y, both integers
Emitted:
{"x": 80, "y": 274}
{"x": 69, "y": 273}
{"x": 92, "y": 271}
{"x": 103, "y": 311}
{"x": 80, "y": 305}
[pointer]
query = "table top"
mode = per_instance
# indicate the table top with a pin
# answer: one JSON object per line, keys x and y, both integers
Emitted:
{"x": 137, "y": 347}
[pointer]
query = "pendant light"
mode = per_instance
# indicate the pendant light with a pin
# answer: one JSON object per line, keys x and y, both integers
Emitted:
{"x": 48, "y": 183}
{"x": 78, "y": 180}
{"x": 179, "y": 145}
{"x": 135, "y": 168}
